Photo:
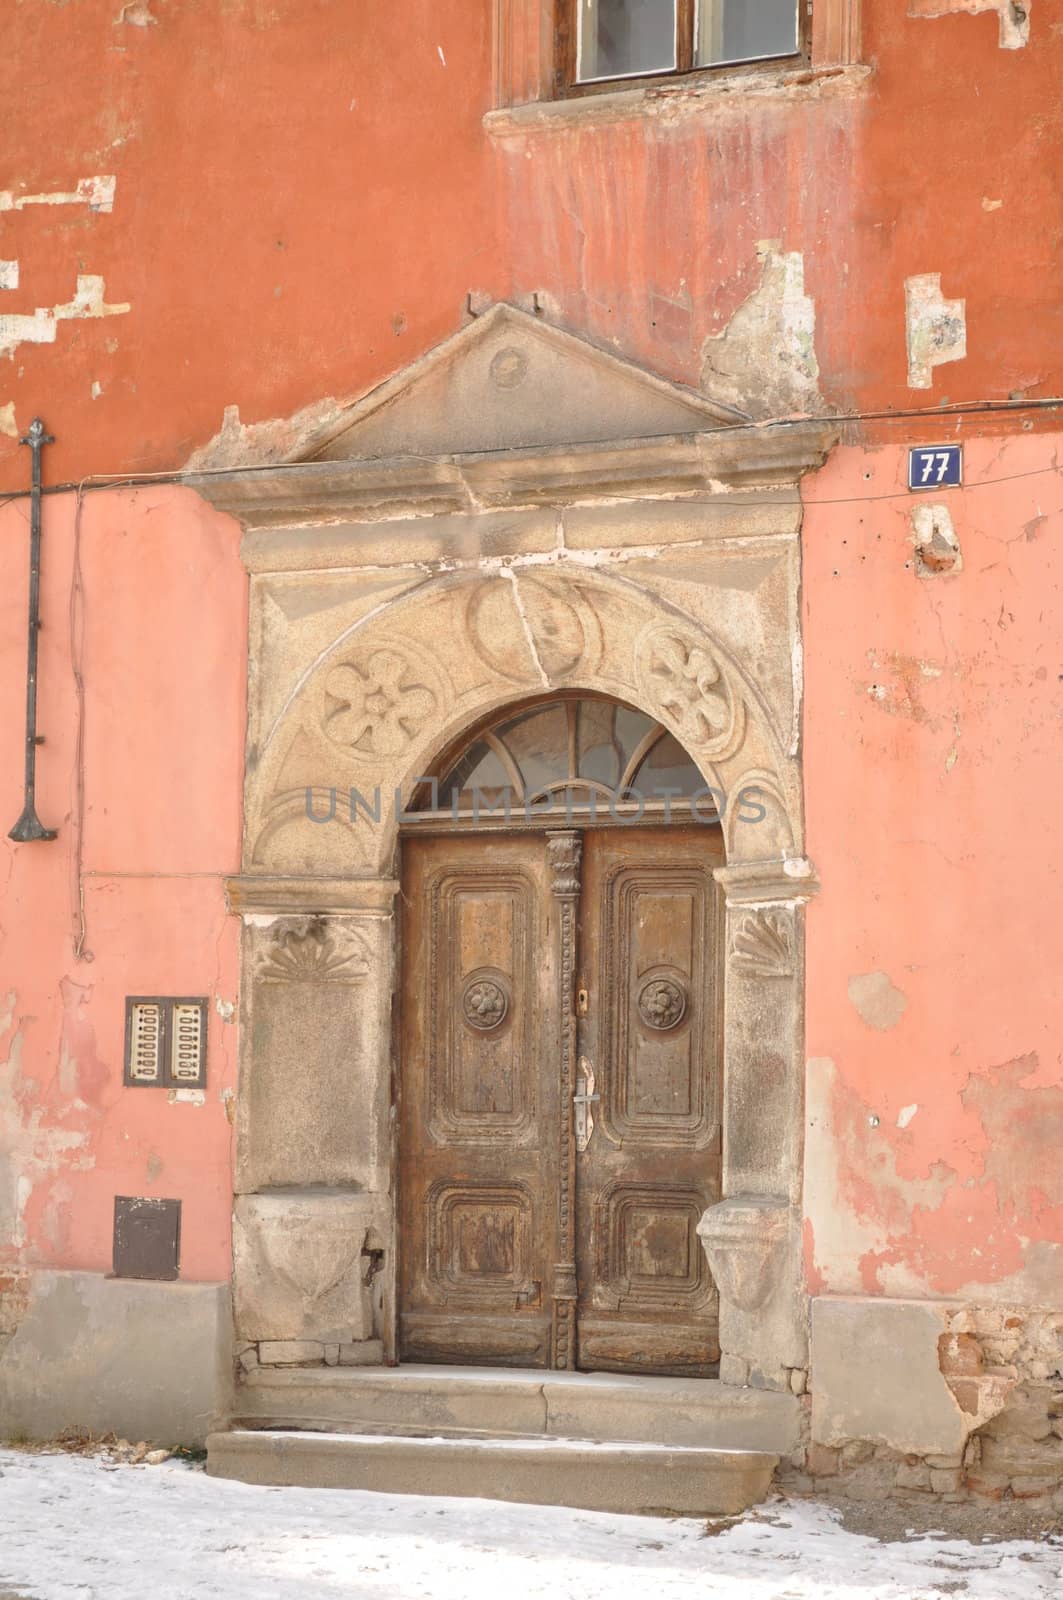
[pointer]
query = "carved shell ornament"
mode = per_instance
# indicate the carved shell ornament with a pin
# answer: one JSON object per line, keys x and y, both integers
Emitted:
{"x": 662, "y": 1003}
{"x": 484, "y": 1004}
{"x": 308, "y": 949}
{"x": 762, "y": 945}
{"x": 683, "y": 679}
{"x": 378, "y": 706}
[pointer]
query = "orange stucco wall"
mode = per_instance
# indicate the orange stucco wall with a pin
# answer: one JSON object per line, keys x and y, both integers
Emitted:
{"x": 304, "y": 197}
{"x": 933, "y": 767}
{"x": 159, "y": 603}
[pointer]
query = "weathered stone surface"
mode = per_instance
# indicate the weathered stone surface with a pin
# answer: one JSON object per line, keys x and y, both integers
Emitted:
{"x": 311, "y": 1110}
{"x": 299, "y": 1269}
{"x": 642, "y": 1479}
{"x": 143, "y": 1359}
{"x": 742, "y": 1239}
{"x": 483, "y": 1400}
{"x": 876, "y": 1374}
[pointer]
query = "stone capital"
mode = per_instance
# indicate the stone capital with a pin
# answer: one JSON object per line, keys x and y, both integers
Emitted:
{"x": 251, "y": 895}
{"x": 782, "y": 880}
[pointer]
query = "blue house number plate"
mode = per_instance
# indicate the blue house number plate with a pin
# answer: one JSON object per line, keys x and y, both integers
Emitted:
{"x": 937, "y": 466}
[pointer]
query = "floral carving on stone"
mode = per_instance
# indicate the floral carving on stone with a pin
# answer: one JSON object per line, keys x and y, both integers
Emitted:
{"x": 762, "y": 945}
{"x": 684, "y": 681}
{"x": 378, "y": 705}
{"x": 311, "y": 949}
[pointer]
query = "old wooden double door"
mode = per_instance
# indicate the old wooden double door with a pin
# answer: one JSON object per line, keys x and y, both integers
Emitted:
{"x": 559, "y": 1099}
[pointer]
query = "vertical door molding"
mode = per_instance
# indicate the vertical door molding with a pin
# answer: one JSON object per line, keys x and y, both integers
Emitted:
{"x": 753, "y": 1237}
{"x": 564, "y": 855}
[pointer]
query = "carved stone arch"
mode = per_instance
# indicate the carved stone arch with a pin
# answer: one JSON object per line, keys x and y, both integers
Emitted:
{"x": 379, "y": 704}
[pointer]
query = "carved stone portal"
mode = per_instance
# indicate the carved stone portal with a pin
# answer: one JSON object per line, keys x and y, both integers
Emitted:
{"x": 519, "y": 515}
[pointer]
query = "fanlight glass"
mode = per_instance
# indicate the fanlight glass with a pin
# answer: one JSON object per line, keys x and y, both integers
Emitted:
{"x": 571, "y": 756}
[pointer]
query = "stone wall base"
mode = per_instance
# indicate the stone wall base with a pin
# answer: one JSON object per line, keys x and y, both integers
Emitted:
{"x": 114, "y": 1355}
{"x": 916, "y": 1400}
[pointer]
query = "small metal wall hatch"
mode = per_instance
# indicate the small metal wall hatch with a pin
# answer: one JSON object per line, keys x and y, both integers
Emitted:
{"x": 147, "y": 1238}
{"x": 165, "y": 1042}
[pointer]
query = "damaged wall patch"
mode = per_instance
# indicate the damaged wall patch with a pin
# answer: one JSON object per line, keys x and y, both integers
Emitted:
{"x": 1014, "y": 16}
{"x": 936, "y": 328}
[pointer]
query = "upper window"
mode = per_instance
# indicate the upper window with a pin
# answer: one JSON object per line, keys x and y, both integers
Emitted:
{"x": 606, "y": 41}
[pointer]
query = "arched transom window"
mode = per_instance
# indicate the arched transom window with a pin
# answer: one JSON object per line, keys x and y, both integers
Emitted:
{"x": 591, "y": 759}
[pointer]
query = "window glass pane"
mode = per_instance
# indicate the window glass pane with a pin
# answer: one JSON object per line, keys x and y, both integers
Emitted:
{"x": 743, "y": 30}
{"x": 667, "y": 770}
{"x": 538, "y": 743}
{"x": 478, "y": 769}
{"x": 620, "y": 38}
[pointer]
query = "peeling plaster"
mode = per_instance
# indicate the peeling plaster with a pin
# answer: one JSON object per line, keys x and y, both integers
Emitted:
{"x": 937, "y": 549}
{"x": 1013, "y": 16}
{"x": 96, "y": 193}
{"x": 260, "y": 444}
{"x": 137, "y": 13}
{"x": 8, "y": 274}
{"x": 764, "y": 361}
{"x": 880, "y": 1003}
{"x": 936, "y": 328}
{"x": 885, "y": 1220}
{"x": 8, "y": 424}
{"x": 42, "y": 325}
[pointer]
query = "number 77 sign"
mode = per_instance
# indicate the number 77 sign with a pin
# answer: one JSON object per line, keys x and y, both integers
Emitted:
{"x": 938, "y": 466}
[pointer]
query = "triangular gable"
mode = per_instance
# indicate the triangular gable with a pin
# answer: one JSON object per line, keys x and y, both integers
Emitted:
{"x": 510, "y": 381}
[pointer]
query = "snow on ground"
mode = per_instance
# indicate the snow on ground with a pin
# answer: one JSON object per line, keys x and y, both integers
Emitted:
{"x": 76, "y": 1528}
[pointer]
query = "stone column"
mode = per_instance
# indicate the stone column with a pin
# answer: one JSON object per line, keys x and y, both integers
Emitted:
{"x": 752, "y": 1238}
{"x": 313, "y": 1233}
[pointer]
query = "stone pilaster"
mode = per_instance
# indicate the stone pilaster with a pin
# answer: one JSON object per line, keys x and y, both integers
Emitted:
{"x": 313, "y": 1224}
{"x": 752, "y": 1238}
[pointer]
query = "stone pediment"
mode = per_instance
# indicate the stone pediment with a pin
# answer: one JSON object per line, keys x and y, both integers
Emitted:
{"x": 510, "y": 381}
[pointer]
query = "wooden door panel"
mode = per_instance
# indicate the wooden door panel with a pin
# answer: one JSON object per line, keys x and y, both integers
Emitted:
{"x": 477, "y": 1175}
{"x": 650, "y": 1037}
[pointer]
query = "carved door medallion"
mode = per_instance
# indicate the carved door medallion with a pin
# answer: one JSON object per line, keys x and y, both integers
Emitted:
{"x": 559, "y": 1116}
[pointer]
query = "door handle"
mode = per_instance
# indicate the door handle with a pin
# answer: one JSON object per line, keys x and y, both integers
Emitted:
{"x": 582, "y": 1101}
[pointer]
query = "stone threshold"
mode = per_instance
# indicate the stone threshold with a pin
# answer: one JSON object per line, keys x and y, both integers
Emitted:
{"x": 513, "y": 1403}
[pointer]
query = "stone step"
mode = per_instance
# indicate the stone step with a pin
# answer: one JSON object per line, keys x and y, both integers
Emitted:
{"x": 505, "y": 1402}
{"x": 644, "y": 1479}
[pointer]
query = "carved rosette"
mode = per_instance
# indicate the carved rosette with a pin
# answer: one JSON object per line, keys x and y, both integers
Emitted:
{"x": 662, "y": 1003}
{"x": 762, "y": 945}
{"x": 682, "y": 679}
{"x": 743, "y": 1239}
{"x": 376, "y": 704}
{"x": 312, "y": 949}
{"x": 484, "y": 1002}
